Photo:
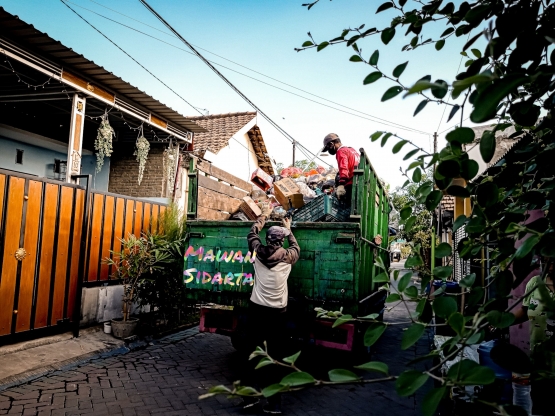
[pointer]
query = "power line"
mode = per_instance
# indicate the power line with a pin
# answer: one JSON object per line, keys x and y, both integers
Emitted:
{"x": 233, "y": 87}
{"x": 450, "y": 127}
{"x": 134, "y": 60}
{"x": 385, "y": 122}
{"x": 373, "y": 118}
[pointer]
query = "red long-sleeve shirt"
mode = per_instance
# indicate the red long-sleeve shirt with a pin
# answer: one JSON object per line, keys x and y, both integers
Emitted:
{"x": 347, "y": 160}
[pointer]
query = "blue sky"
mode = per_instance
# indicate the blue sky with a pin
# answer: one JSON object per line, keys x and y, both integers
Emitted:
{"x": 261, "y": 35}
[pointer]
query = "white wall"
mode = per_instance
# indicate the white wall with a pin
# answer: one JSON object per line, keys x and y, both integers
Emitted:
{"x": 235, "y": 158}
{"x": 101, "y": 304}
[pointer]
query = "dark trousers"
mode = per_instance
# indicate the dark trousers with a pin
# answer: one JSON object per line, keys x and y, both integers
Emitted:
{"x": 542, "y": 399}
{"x": 266, "y": 324}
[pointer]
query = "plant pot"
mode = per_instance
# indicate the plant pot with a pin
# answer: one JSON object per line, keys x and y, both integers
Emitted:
{"x": 123, "y": 329}
{"x": 107, "y": 328}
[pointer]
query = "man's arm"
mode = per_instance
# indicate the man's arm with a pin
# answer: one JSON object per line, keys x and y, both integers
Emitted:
{"x": 253, "y": 237}
{"x": 294, "y": 251}
{"x": 343, "y": 165}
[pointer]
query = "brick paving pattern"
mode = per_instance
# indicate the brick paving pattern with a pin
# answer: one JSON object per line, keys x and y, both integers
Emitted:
{"x": 167, "y": 378}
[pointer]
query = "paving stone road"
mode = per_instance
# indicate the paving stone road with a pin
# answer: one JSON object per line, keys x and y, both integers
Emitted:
{"x": 167, "y": 378}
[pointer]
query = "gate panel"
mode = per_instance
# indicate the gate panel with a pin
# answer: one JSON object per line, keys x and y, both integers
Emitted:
{"x": 50, "y": 214}
{"x": 138, "y": 228}
{"x": 12, "y": 232}
{"x": 95, "y": 235}
{"x": 107, "y": 230}
{"x": 28, "y": 266}
{"x": 75, "y": 251}
{"x": 62, "y": 254}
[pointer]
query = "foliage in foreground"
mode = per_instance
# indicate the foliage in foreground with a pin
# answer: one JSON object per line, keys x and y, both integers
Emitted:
{"x": 510, "y": 82}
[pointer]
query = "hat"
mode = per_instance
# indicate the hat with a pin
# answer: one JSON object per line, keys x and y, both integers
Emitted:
{"x": 328, "y": 139}
{"x": 276, "y": 233}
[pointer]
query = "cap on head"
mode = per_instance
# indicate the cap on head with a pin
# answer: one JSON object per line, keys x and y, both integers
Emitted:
{"x": 328, "y": 139}
{"x": 276, "y": 233}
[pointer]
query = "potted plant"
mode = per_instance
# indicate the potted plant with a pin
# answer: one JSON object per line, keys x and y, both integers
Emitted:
{"x": 139, "y": 258}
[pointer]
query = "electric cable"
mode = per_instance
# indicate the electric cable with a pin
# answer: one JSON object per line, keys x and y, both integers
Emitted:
{"x": 229, "y": 83}
{"x": 375, "y": 119}
{"x": 134, "y": 60}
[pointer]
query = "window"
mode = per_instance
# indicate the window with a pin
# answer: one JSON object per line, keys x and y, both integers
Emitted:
{"x": 19, "y": 157}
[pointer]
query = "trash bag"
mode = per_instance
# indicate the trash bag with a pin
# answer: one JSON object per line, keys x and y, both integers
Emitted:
{"x": 306, "y": 191}
{"x": 317, "y": 178}
{"x": 292, "y": 172}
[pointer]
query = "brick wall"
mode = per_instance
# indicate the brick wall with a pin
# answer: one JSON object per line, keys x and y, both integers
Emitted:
{"x": 124, "y": 172}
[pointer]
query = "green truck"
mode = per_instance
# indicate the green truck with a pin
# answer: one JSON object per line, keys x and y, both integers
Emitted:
{"x": 335, "y": 270}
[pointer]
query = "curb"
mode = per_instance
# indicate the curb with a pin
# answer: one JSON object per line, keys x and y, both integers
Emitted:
{"x": 171, "y": 337}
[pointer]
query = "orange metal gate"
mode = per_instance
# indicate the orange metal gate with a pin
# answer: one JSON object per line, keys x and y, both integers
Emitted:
{"x": 50, "y": 245}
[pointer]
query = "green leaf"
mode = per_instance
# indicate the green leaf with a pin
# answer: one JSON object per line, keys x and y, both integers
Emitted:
{"x": 274, "y": 389}
{"x": 411, "y": 292}
{"x": 468, "y": 280}
{"x": 404, "y": 281}
{"x": 405, "y": 212}
{"x": 376, "y": 366}
{"x": 322, "y": 46}
{"x": 374, "y": 58}
{"x": 341, "y": 375}
{"x": 412, "y": 335}
{"x": 387, "y": 35}
{"x": 307, "y": 43}
{"x": 453, "y": 112}
{"x": 443, "y": 250}
{"x": 476, "y": 53}
{"x": 385, "y": 6}
{"x": 391, "y": 92}
{"x": 433, "y": 200}
{"x": 527, "y": 246}
{"x": 488, "y": 194}
{"x": 381, "y": 278}
{"x": 298, "y": 378}
{"x": 342, "y": 320}
{"x": 420, "y": 86}
{"x": 419, "y": 108}
{"x": 398, "y": 146}
{"x": 456, "y": 190}
{"x": 459, "y": 222}
{"x": 431, "y": 401}
{"x": 440, "y": 89}
{"x": 417, "y": 175}
{"x": 291, "y": 359}
{"x": 247, "y": 391}
{"x": 384, "y": 139}
{"x": 355, "y": 58}
{"x": 439, "y": 44}
{"x": 470, "y": 373}
{"x": 485, "y": 105}
{"x": 394, "y": 297}
{"x": 456, "y": 321}
{"x": 487, "y": 146}
{"x": 264, "y": 361}
{"x": 414, "y": 261}
{"x": 399, "y": 69}
{"x": 372, "y": 77}
{"x": 373, "y": 333}
{"x": 500, "y": 319}
{"x": 469, "y": 169}
{"x": 409, "y": 223}
{"x": 444, "y": 306}
{"x": 411, "y": 154}
{"x": 375, "y": 136}
{"x": 442, "y": 272}
{"x": 463, "y": 135}
{"x": 371, "y": 316}
{"x": 409, "y": 382}
{"x": 379, "y": 263}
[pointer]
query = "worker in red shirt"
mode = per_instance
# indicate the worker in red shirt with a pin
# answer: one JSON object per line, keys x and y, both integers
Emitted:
{"x": 347, "y": 161}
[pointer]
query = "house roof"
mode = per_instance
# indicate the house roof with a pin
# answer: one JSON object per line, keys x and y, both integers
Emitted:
{"x": 26, "y": 36}
{"x": 220, "y": 128}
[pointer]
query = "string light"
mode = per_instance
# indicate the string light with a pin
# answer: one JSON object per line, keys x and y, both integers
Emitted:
{"x": 19, "y": 79}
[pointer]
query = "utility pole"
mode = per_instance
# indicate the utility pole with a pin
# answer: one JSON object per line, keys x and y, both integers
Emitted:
{"x": 294, "y": 146}
{"x": 435, "y": 142}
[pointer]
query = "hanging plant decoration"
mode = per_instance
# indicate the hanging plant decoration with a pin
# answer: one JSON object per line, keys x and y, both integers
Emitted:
{"x": 143, "y": 147}
{"x": 103, "y": 141}
{"x": 170, "y": 165}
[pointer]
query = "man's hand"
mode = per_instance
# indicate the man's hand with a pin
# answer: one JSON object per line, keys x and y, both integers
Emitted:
{"x": 340, "y": 192}
{"x": 287, "y": 223}
{"x": 266, "y": 210}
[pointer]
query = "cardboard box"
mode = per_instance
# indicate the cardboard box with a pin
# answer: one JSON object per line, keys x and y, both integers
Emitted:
{"x": 249, "y": 208}
{"x": 288, "y": 194}
{"x": 261, "y": 179}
